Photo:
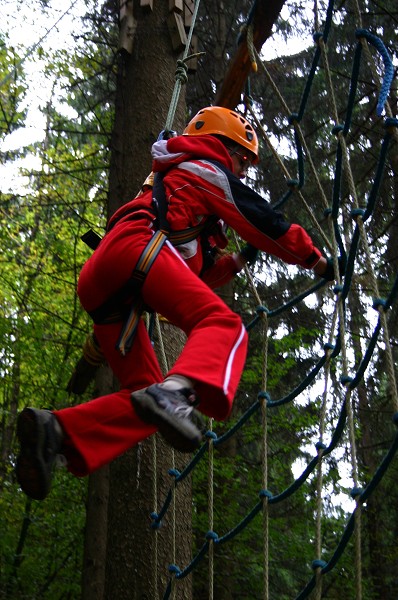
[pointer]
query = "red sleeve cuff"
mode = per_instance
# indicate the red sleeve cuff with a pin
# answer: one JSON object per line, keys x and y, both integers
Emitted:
{"x": 313, "y": 259}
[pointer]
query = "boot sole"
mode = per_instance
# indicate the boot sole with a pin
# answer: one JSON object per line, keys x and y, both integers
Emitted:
{"x": 181, "y": 434}
{"x": 31, "y": 469}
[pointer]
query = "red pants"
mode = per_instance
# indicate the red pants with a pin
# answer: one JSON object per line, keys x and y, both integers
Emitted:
{"x": 213, "y": 357}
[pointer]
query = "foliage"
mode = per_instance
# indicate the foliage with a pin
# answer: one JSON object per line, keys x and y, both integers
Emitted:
{"x": 42, "y": 547}
{"x": 42, "y": 326}
{"x": 12, "y": 91}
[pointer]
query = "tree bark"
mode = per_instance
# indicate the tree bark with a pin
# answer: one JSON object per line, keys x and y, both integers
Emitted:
{"x": 136, "y": 554}
{"x": 263, "y": 18}
{"x": 95, "y": 539}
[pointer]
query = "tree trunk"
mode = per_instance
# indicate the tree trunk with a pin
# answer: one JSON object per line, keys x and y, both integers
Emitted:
{"x": 135, "y": 552}
{"x": 95, "y": 539}
{"x": 138, "y": 556}
{"x": 264, "y": 16}
{"x": 145, "y": 84}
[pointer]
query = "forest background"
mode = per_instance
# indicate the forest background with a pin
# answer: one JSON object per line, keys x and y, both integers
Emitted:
{"x": 103, "y": 107}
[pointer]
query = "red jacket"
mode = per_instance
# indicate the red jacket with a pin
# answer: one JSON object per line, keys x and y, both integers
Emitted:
{"x": 199, "y": 184}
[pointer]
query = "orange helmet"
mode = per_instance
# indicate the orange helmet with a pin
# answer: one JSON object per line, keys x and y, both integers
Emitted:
{"x": 228, "y": 123}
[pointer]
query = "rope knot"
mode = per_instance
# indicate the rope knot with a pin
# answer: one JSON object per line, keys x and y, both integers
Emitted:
{"x": 337, "y": 129}
{"x": 265, "y": 494}
{"x": 211, "y": 536}
{"x": 379, "y": 303}
{"x": 361, "y": 33}
{"x": 318, "y": 564}
{"x": 356, "y": 492}
{"x": 181, "y": 73}
{"x": 156, "y": 521}
{"x": 358, "y": 212}
{"x": 338, "y": 289}
{"x": 293, "y": 119}
{"x": 264, "y": 396}
{"x": 174, "y": 472}
{"x": 174, "y": 569}
{"x": 391, "y": 122}
{"x": 293, "y": 184}
{"x": 328, "y": 346}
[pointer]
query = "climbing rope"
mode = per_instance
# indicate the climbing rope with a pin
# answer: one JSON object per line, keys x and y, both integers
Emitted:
{"x": 182, "y": 72}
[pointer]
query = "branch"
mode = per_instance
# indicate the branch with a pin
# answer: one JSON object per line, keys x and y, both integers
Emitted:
{"x": 263, "y": 16}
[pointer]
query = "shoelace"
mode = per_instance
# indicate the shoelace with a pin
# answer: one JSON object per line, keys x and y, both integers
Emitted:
{"x": 182, "y": 411}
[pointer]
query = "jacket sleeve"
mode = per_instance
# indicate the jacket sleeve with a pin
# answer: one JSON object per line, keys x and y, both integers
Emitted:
{"x": 267, "y": 229}
{"x": 251, "y": 216}
{"x": 221, "y": 272}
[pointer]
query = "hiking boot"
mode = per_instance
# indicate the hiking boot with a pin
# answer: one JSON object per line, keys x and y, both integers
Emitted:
{"x": 40, "y": 437}
{"x": 170, "y": 411}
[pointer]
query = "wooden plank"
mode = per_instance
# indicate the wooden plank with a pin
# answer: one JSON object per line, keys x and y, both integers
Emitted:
{"x": 127, "y": 26}
{"x": 192, "y": 64}
{"x": 177, "y": 33}
{"x": 176, "y": 6}
{"x": 146, "y": 4}
{"x": 189, "y": 7}
{"x": 264, "y": 15}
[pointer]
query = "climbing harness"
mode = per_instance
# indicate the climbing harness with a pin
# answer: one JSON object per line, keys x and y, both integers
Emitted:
{"x": 114, "y": 309}
{"x": 117, "y": 307}
{"x": 127, "y": 305}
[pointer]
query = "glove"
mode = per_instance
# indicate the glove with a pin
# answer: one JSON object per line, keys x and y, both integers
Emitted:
{"x": 249, "y": 253}
{"x": 329, "y": 273}
{"x": 167, "y": 134}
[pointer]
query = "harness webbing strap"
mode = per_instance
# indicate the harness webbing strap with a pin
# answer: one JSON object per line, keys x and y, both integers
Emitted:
{"x": 127, "y": 304}
{"x": 139, "y": 274}
{"x": 160, "y": 203}
{"x": 183, "y": 236}
{"x": 191, "y": 233}
{"x": 113, "y": 309}
{"x": 130, "y": 325}
{"x": 149, "y": 254}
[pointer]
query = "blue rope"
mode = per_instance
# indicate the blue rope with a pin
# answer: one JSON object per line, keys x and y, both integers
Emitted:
{"x": 317, "y": 56}
{"x": 388, "y": 67}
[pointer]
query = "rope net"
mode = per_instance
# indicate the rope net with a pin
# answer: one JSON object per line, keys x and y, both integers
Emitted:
{"x": 324, "y": 406}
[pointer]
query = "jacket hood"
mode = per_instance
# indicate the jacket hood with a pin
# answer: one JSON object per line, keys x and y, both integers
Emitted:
{"x": 169, "y": 153}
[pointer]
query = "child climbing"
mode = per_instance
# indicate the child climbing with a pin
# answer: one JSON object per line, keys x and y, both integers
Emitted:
{"x": 170, "y": 241}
